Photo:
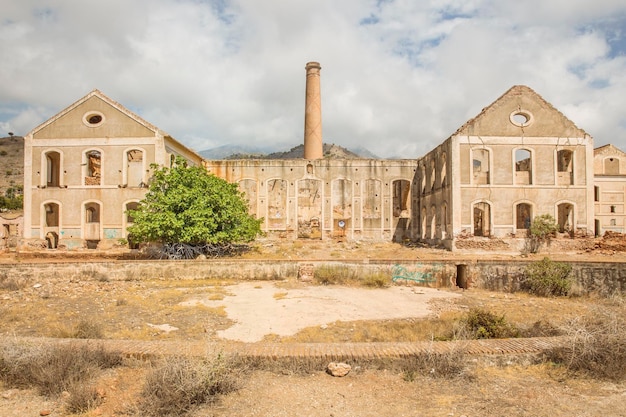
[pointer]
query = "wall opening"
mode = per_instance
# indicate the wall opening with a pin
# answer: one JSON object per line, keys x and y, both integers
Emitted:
{"x": 482, "y": 219}
{"x": 565, "y": 218}
{"x": 93, "y": 167}
{"x": 523, "y": 214}
{"x": 53, "y": 169}
{"x": 91, "y": 232}
{"x": 565, "y": 167}
{"x": 134, "y": 168}
{"x": 523, "y": 167}
{"x": 480, "y": 166}
{"x": 611, "y": 166}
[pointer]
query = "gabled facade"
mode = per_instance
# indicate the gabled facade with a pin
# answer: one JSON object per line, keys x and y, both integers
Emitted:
{"x": 610, "y": 189}
{"x": 519, "y": 158}
{"x": 85, "y": 167}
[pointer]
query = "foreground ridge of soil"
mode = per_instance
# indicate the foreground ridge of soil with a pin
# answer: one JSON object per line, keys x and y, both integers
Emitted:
{"x": 330, "y": 351}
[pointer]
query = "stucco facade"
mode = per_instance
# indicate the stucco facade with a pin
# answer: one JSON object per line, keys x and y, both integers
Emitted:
{"x": 84, "y": 168}
{"x": 519, "y": 158}
{"x": 610, "y": 189}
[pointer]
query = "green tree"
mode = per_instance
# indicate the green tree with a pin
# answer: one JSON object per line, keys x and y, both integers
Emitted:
{"x": 185, "y": 204}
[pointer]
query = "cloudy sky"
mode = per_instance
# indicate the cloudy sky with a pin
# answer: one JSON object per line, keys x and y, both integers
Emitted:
{"x": 398, "y": 76}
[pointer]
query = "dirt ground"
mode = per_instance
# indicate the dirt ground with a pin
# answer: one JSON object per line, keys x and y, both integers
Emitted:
{"x": 217, "y": 310}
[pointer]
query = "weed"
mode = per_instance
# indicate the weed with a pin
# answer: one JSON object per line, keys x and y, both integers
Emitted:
{"x": 435, "y": 365}
{"x": 334, "y": 275}
{"x": 280, "y": 295}
{"x": 12, "y": 284}
{"x": 53, "y": 369}
{"x": 88, "y": 329}
{"x": 82, "y": 398}
{"x": 377, "y": 280}
{"x": 179, "y": 384}
{"x": 547, "y": 278}
{"x": 121, "y": 302}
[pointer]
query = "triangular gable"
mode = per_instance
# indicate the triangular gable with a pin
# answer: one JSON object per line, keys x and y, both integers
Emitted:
{"x": 609, "y": 150}
{"x": 105, "y": 99}
{"x": 505, "y": 117}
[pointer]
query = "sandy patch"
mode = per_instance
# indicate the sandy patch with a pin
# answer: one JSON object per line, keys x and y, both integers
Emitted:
{"x": 261, "y": 308}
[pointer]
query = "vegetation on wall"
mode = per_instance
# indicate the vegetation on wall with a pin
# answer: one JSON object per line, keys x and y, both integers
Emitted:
{"x": 187, "y": 205}
{"x": 547, "y": 278}
{"x": 542, "y": 229}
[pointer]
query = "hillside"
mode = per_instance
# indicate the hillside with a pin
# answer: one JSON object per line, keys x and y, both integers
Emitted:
{"x": 11, "y": 165}
{"x": 331, "y": 151}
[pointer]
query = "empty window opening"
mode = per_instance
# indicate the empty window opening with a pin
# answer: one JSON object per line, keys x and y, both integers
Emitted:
{"x": 612, "y": 209}
{"x": 52, "y": 215}
{"x": 92, "y": 224}
{"x": 523, "y": 167}
{"x": 53, "y": 169}
{"x": 401, "y": 191}
{"x": 482, "y": 222}
{"x": 93, "y": 168}
{"x": 134, "y": 168}
{"x": 129, "y": 208}
{"x": 433, "y": 222}
{"x": 432, "y": 175}
{"x": 596, "y": 193}
{"x": 611, "y": 166}
{"x": 444, "y": 220}
{"x": 565, "y": 167}
{"x": 565, "y": 218}
{"x": 523, "y": 214}
{"x": 480, "y": 166}
{"x": 443, "y": 170}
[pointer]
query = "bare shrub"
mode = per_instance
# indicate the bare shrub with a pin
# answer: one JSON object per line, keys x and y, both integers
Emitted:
{"x": 53, "y": 369}
{"x": 597, "y": 345}
{"x": 88, "y": 329}
{"x": 377, "y": 280}
{"x": 334, "y": 274}
{"x": 435, "y": 364}
{"x": 82, "y": 398}
{"x": 179, "y": 384}
{"x": 12, "y": 284}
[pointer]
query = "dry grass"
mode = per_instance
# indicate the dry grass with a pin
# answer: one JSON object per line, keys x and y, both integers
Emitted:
{"x": 177, "y": 385}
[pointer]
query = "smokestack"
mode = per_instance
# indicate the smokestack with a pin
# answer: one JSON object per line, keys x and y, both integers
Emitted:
{"x": 313, "y": 145}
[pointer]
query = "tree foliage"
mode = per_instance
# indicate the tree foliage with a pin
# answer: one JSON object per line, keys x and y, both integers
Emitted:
{"x": 185, "y": 204}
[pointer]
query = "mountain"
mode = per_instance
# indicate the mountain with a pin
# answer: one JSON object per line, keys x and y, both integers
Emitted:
{"x": 330, "y": 150}
{"x": 12, "y": 166}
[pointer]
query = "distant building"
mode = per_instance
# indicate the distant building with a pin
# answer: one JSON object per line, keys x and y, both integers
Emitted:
{"x": 609, "y": 168}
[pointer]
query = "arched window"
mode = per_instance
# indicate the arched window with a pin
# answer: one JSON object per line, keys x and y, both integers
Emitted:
{"x": 53, "y": 169}
{"x": 134, "y": 168}
{"x": 443, "y": 170}
{"x": 92, "y": 167}
{"x": 523, "y": 167}
{"x": 565, "y": 217}
{"x": 480, "y": 166}
{"x": 523, "y": 214}
{"x": 565, "y": 167}
{"x": 482, "y": 219}
{"x": 611, "y": 166}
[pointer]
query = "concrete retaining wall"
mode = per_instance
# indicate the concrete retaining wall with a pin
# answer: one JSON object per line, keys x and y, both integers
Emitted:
{"x": 589, "y": 277}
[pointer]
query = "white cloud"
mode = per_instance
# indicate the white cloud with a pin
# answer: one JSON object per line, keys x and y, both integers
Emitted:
{"x": 398, "y": 76}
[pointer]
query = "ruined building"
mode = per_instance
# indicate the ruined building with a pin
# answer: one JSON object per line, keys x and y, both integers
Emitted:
{"x": 519, "y": 158}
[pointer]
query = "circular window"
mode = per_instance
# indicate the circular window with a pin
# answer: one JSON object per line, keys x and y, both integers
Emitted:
{"x": 521, "y": 118}
{"x": 93, "y": 119}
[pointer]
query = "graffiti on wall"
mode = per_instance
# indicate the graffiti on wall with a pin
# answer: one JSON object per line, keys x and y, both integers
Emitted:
{"x": 422, "y": 276}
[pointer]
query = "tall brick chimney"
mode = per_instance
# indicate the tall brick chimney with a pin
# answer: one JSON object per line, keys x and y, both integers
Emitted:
{"x": 313, "y": 145}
